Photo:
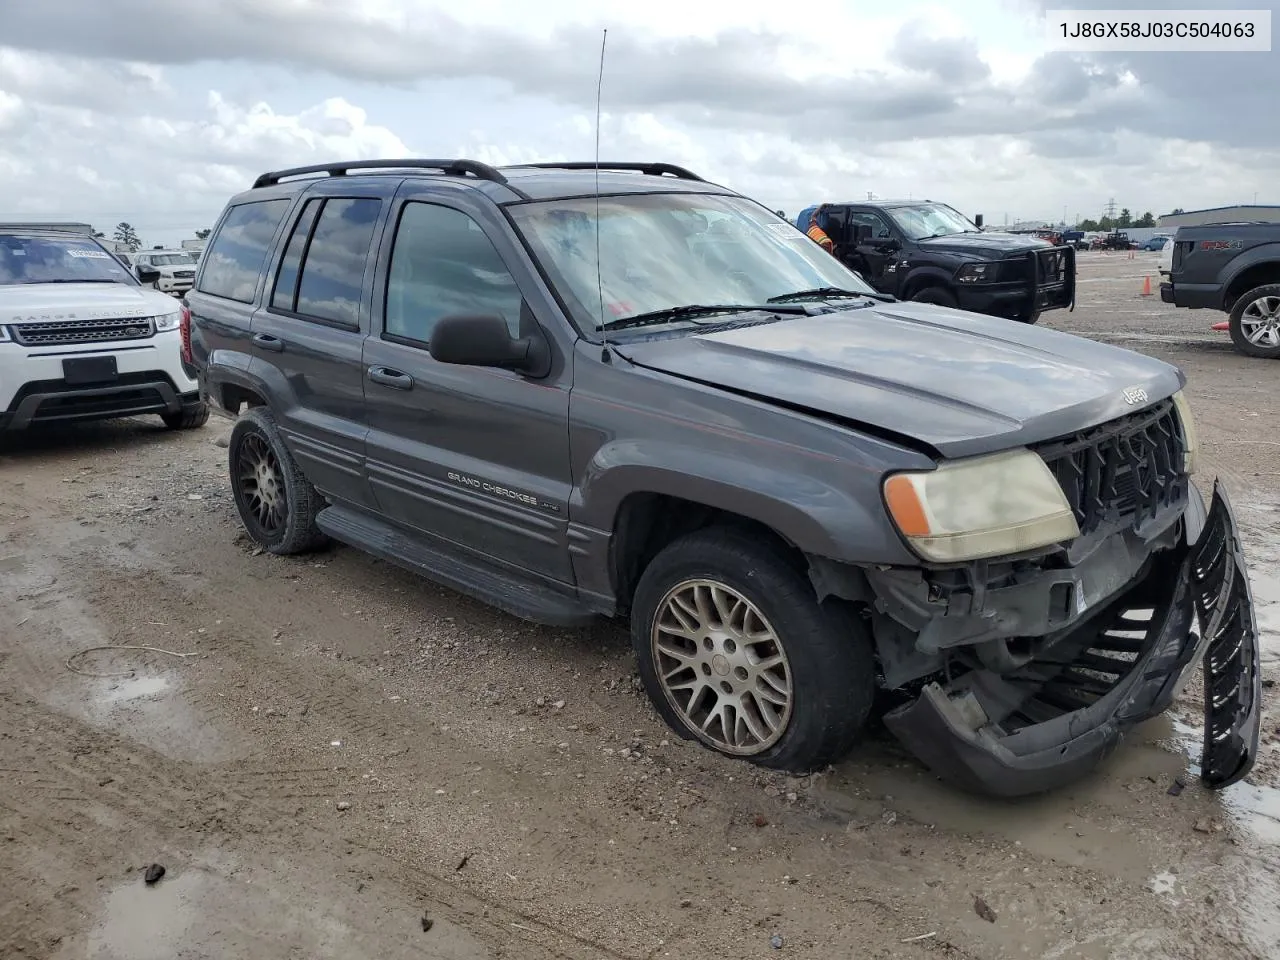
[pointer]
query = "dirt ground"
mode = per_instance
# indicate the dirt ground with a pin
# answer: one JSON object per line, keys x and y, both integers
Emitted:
{"x": 351, "y": 762}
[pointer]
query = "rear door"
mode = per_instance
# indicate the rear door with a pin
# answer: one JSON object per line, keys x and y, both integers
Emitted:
{"x": 475, "y": 456}
{"x": 309, "y": 337}
{"x": 224, "y": 301}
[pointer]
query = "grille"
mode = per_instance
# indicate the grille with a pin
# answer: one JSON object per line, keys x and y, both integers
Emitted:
{"x": 1127, "y": 469}
{"x": 116, "y": 403}
{"x": 183, "y": 274}
{"x": 67, "y": 332}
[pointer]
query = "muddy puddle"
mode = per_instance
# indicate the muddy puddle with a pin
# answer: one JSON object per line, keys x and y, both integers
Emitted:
{"x": 124, "y": 682}
{"x": 219, "y": 906}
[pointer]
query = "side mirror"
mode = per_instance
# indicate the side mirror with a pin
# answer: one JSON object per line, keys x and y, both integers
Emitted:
{"x": 147, "y": 275}
{"x": 977, "y": 221}
{"x": 484, "y": 340}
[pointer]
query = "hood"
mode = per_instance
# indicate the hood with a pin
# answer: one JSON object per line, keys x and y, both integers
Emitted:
{"x": 985, "y": 244}
{"x": 959, "y": 383}
{"x": 82, "y": 301}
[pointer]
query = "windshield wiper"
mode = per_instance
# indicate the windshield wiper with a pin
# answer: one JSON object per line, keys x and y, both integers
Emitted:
{"x": 828, "y": 293}
{"x": 694, "y": 310}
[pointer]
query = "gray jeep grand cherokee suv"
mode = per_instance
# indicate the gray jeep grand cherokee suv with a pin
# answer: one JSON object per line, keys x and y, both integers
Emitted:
{"x": 628, "y": 392}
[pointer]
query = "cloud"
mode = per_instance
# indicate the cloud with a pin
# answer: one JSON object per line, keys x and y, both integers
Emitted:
{"x": 961, "y": 104}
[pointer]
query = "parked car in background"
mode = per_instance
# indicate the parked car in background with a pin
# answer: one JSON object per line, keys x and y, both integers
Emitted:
{"x": 177, "y": 269}
{"x": 628, "y": 392}
{"x": 931, "y": 253}
{"x": 1235, "y": 268}
{"x": 1157, "y": 242}
{"x": 82, "y": 339}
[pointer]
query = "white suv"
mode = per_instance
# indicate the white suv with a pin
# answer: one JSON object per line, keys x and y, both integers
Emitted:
{"x": 177, "y": 269}
{"x": 82, "y": 339}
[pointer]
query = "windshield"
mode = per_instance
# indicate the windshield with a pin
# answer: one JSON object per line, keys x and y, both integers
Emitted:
{"x": 167, "y": 259}
{"x": 57, "y": 260}
{"x": 924, "y": 220}
{"x": 666, "y": 250}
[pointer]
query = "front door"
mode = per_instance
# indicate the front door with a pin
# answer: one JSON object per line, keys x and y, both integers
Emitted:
{"x": 475, "y": 456}
{"x": 309, "y": 336}
{"x": 877, "y": 253}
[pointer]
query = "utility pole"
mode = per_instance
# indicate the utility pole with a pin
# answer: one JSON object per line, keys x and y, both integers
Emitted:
{"x": 1111, "y": 208}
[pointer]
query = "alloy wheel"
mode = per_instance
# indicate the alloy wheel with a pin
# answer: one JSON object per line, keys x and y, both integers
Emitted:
{"x": 722, "y": 667}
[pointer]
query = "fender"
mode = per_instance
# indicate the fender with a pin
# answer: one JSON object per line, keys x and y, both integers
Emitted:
{"x": 925, "y": 275}
{"x": 844, "y": 522}
{"x": 1262, "y": 253}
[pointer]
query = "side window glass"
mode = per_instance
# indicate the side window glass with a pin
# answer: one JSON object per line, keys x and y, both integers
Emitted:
{"x": 332, "y": 279}
{"x": 442, "y": 262}
{"x": 879, "y": 229}
{"x": 285, "y": 295}
{"x": 238, "y": 251}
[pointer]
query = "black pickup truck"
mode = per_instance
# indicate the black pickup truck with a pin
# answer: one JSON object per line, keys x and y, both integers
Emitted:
{"x": 929, "y": 252}
{"x": 1233, "y": 267}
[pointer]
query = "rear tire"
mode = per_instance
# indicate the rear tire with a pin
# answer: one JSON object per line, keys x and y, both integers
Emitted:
{"x": 1257, "y": 312}
{"x": 1029, "y": 318}
{"x": 721, "y": 620}
{"x": 188, "y": 418}
{"x": 276, "y": 503}
{"x": 936, "y": 295}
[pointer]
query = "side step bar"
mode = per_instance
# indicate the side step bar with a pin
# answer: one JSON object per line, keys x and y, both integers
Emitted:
{"x": 511, "y": 592}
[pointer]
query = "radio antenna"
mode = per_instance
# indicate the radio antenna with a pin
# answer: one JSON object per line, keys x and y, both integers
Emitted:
{"x": 604, "y": 334}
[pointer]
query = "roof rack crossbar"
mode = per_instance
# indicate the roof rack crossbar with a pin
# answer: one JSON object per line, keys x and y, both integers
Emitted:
{"x": 455, "y": 168}
{"x": 649, "y": 169}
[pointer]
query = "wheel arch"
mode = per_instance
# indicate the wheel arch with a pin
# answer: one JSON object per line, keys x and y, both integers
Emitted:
{"x": 1257, "y": 273}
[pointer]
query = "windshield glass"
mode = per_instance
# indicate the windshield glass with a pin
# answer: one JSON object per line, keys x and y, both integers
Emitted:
{"x": 665, "y": 250}
{"x": 51, "y": 259}
{"x": 168, "y": 259}
{"x": 930, "y": 220}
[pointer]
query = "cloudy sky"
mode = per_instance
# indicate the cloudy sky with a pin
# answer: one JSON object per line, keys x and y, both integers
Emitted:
{"x": 154, "y": 111}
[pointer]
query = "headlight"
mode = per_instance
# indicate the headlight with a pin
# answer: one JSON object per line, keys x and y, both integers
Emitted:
{"x": 168, "y": 321}
{"x": 975, "y": 272}
{"x": 980, "y": 507}
{"x": 1189, "y": 436}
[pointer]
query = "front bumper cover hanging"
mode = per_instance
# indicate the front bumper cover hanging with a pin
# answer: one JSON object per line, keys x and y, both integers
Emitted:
{"x": 1068, "y": 735}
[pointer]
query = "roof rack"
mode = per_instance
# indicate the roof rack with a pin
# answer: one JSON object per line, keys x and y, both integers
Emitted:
{"x": 453, "y": 168}
{"x": 649, "y": 169}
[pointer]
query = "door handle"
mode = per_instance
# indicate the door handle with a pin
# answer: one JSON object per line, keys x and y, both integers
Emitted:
{"x": 268, "y": 342}
{"x": 391, "y": 378}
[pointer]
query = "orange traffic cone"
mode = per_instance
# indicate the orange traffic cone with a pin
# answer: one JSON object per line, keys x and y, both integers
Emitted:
{"x": 1146, "y": 286}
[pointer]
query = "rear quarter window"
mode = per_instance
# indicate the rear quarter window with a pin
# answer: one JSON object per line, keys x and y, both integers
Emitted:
{"x": 237, "y": 253}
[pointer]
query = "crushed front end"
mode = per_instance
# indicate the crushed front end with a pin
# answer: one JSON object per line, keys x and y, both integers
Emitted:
{"x": 1027, "y": 672}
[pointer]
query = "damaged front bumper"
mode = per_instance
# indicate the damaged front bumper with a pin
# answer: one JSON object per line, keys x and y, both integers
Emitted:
{"x": 1053, "y": 721}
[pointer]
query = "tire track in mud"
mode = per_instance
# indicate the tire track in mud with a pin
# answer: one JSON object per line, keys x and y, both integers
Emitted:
{"x": 333, "y": 699}
{"x": 158, "y": 797}
{"x": 163, "y": 795}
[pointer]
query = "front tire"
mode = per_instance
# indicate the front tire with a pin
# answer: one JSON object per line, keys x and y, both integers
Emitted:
{"x": 736, "y": 653}
{"x": 936, "y": 295}
{"x": 276, "y": 503}
{"x": 1255, "y": 322}
{"x": 188, "y": 418}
